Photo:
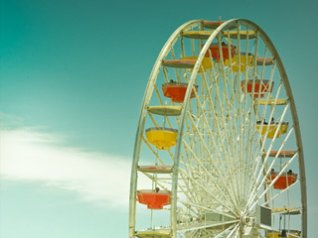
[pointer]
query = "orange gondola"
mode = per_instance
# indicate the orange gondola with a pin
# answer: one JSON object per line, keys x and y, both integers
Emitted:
{"x": 257, "y": 87}
{"x": 214, "y": 50}
{"x": 154, "y": 199}
{"x": 284, "y": 180}
{"x": 176, "y": 91}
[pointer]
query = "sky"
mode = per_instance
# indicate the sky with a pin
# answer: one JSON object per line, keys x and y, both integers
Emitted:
{"x": 72, "y": 80}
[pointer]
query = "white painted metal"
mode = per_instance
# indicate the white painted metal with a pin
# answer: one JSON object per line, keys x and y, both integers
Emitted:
{"x": 221, "y": 165}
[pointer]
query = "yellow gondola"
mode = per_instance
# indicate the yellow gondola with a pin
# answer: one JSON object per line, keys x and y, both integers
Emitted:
{"x": 161, "y": 137}
{"x": 290, "y": 234}
{"x": 206, "y": 62}
{"x": 160, "y": 233}
{"x": 273, "y": 234}
{"x": 271, "y": 129}
{"x": 245, "y": 61}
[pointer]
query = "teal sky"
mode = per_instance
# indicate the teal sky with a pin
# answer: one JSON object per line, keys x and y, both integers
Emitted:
{"x": 72, "y": 79}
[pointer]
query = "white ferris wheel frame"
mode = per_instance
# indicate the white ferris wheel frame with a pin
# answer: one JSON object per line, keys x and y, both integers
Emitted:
{"x": 148, "y": 93}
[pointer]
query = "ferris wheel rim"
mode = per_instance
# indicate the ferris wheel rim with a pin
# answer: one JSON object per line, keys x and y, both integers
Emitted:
{"x": 148, "y": 92}
{"x": 152, "y": 79}
{"x": 289, "y": 94}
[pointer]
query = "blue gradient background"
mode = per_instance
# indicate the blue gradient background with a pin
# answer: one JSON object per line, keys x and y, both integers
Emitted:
{"x": 79, "y": 68}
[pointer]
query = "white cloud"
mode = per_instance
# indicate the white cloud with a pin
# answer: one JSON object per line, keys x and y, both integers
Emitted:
{"x": 28, "y": 155}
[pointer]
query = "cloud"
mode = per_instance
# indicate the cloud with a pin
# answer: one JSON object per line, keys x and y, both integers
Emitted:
{"x": 28, "y": 155}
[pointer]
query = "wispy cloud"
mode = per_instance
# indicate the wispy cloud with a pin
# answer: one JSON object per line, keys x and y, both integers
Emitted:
{"x": 28, "y": 155}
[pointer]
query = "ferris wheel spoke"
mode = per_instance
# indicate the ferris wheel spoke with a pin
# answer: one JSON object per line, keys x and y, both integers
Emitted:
{"x": 158, "y": 94}
{"x": 218, "y": 191}
{"x": 272, "y": 182}
{"x": 212, "y": 105}
{"x": 206, "y": 190}
{"x": 217, "y": 170}
{"x": 266, "y": 50}
{"x": 279, "y": 125}
{"x": 209, "y": 209}
{"x": 280, "y": 193}
{"x": 273, "y": 162}
{"x": 233, "y": 132}
{"x": 159, "y": 184}
{"x": 217, "y": 199}
{"x": 194, "y": 211}
{"x": 153, "y": 151}
{"x": 165, "y": 74}
{"x": 205, "y": 225}
{"x": 215, "y": 118}
{"x": 217, "y": 233}
{"x": 186, "y": 190}
{"x": 225, "y": 93}
{"x": 258, "y": 186}
{"x": 187, "y": 164}
{"x": 273, "y": 139}
{"x": 280, "y": 86}
{"x": 283, "y": 143}
{"x": 155, "y": 123}
{"x": 267, "y": 154}
{"x": 253, "y": 151}
{"x": 231, "y": 228}
{"x": 153, "y": 120}
{"x": 233, "y": 231}
{"x": 243, "y": 133}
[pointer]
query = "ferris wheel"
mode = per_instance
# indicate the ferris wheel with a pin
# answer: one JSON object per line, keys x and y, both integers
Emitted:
{"x": 218, "y": 150}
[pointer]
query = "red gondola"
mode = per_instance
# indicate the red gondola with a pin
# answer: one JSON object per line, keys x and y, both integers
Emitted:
{"x": 154, "y": 199}
{"x": 284, "y": 180}
{"x": 214, "y": 50}
{"x": 176, "y": 91}
{"x": 261, "y": 87}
